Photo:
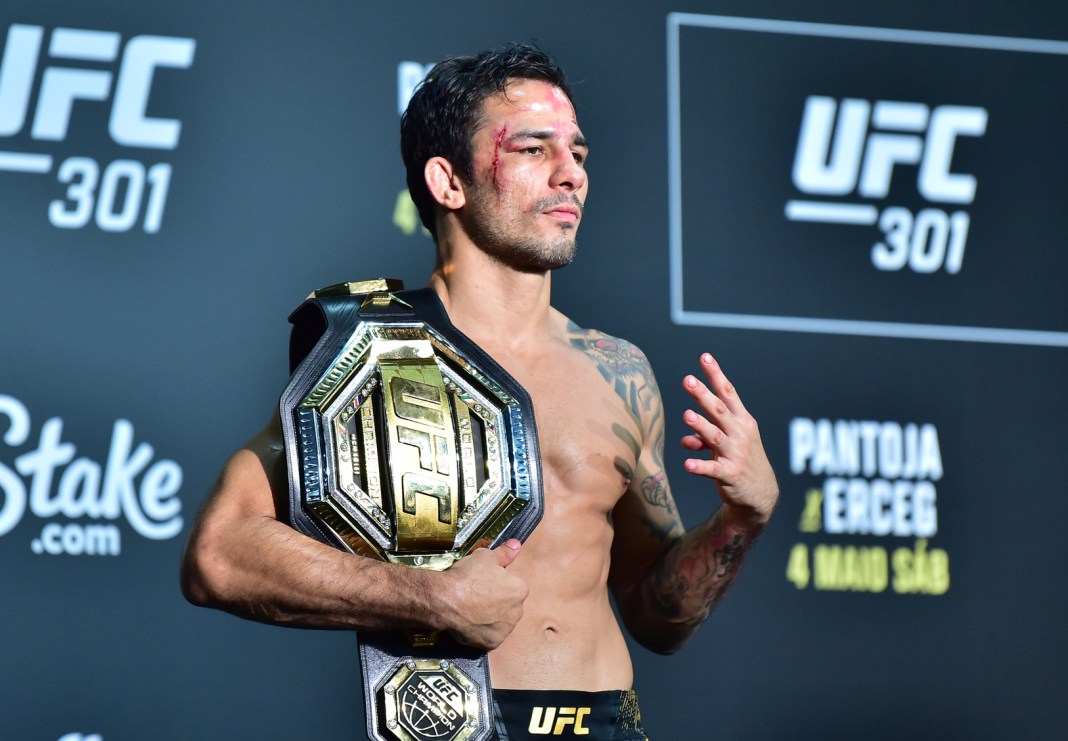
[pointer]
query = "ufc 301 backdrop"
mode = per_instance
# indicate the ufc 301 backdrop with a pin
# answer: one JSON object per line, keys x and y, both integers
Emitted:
{"x": 859, "y": 210}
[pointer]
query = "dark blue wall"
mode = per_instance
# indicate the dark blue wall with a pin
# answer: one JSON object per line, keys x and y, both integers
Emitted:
{"x": 153, "y": 241}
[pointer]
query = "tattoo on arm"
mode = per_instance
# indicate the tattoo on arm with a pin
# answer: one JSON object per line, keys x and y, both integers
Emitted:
{"x": 695, "y": 574}
{"x": 635, "y": 448}
{"x": 627, "y": 369}
{"x": 654, "y": 491}
{"x": 654, "y": 487}
{"x": 697, "y": 568}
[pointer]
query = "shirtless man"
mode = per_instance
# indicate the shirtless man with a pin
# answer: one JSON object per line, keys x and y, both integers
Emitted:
{"x": 499, "y": 177}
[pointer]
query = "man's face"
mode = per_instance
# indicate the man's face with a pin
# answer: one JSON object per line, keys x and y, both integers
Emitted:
{"x": 525, "y": 203}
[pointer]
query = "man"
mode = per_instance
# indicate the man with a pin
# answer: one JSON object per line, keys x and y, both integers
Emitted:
{"x": 496, "y": 165}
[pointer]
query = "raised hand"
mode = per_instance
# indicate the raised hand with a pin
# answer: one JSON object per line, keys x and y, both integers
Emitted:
{"x": 738, "y": 463}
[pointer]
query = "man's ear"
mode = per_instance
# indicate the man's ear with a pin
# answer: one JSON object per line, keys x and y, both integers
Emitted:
{"x": 444, "y": 183}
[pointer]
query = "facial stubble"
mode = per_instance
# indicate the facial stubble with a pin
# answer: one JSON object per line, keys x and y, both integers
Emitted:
{"x": 508, "y": 238}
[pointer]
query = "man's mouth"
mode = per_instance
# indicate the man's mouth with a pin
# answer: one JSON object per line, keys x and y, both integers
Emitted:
{"x": 567, "y": 209}
{"x": 564, "y": 213}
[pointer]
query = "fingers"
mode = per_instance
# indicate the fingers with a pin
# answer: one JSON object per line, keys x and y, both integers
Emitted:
{"x": 507, "y": 552}
{"x": 717, "y": 400}
{"x": 711, "y": 435}
{"x": 721, "y": 425}
{"x": 717, "y": 425}
{"x": 693, "y": 442}
{"x": 703, "y": 467}
{"x": 722, "y": 390}
{"x": 705, "y": 437}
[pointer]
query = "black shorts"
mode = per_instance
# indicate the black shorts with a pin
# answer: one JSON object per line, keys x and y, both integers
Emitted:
{"x": 540, "y": 714}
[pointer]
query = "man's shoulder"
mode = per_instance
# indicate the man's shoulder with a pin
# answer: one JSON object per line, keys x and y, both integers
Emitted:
{"x": 613, "y": 355}
{"x": 623, "y": 366}
{"x": 626, "y": 369}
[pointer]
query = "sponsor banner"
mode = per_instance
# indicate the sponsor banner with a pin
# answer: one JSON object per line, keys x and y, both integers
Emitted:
{"x": 78, "y": 502}
{"x": 866, "y": 181}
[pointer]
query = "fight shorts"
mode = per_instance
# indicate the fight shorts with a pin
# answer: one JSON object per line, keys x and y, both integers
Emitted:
{"x": 540, "y": 714}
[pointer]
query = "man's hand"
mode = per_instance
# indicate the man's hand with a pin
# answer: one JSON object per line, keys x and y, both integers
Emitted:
{"x": 738, "y": 464}
{"x": 488, "y": 599}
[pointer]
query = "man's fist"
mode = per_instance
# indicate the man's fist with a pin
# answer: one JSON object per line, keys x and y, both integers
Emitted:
{"x": 486, "y": 600}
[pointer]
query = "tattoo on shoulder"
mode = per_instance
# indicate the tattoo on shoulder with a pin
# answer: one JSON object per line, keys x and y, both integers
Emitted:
{"x": 626, "y": 368}
{"x": 621, "y": 364}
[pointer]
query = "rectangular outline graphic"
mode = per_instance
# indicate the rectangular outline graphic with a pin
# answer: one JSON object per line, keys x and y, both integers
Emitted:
{"x": 680, "y": 315}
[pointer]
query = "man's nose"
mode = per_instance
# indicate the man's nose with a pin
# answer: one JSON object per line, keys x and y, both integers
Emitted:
{"x": 568, "y": 174}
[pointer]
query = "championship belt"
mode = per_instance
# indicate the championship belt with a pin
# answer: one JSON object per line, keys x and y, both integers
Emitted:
{"x": 406, "y": 442}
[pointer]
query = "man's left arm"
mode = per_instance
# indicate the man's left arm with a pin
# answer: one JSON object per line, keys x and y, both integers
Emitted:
{"x": 666, "y": 581}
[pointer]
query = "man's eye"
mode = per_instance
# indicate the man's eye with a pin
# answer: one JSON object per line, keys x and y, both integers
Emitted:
{"x": 531, "y": 150}
{"x": 580, "y": 158}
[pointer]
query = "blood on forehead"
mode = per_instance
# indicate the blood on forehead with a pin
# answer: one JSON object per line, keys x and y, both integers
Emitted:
{"x": 548, "y": 103}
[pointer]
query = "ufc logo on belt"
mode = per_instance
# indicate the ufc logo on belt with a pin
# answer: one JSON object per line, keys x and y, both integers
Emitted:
{"x": 568, "y": 720}
{"x": 422, "y": 455}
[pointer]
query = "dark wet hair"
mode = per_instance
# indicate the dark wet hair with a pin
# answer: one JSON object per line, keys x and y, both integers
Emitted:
{"x": 446, "y": 109}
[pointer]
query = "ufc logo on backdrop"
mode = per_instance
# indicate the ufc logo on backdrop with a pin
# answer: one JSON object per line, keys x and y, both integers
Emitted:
{"x": 899, "y": 133}
{"x": 83, "y": 67}
{"x": 62, "y": 85}
{"x": 852, "y": 148}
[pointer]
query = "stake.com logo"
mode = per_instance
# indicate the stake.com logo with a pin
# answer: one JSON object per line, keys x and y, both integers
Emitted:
{"x": 50, "y": 482}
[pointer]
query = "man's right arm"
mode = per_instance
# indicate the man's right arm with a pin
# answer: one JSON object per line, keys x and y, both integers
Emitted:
{"x": 243, "y": 559}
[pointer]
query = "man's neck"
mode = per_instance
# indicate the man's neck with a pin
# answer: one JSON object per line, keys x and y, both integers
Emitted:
{"x": 491, "y": 302}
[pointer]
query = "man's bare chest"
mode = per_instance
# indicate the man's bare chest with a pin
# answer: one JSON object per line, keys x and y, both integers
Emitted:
{"x": 588, "y": 440}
